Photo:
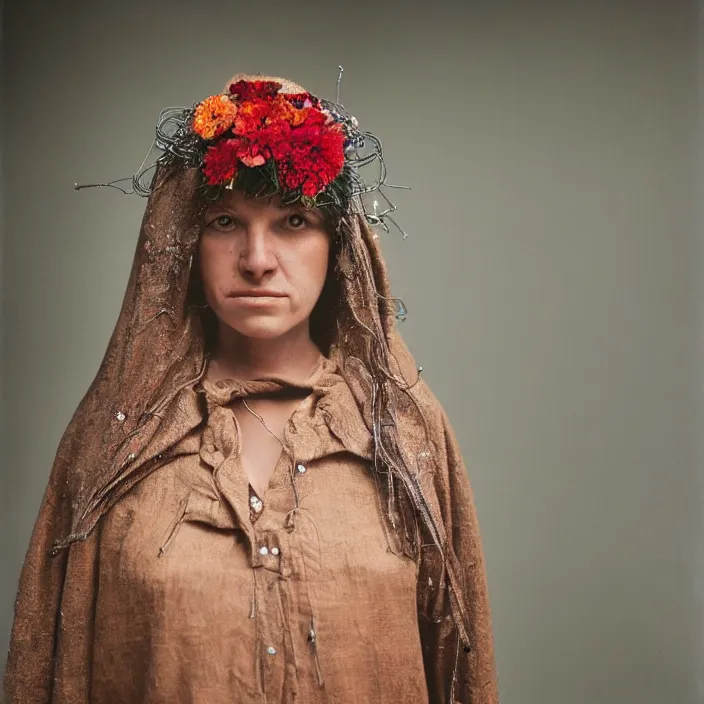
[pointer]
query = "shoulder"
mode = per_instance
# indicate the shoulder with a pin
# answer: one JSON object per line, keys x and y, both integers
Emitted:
{"x": 433, "y": 412}
{"x": 420, "y": 400}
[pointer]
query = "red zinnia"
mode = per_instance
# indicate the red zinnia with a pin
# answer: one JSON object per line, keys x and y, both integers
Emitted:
{"x": 251, "y": 90}
{"x": 315, "y": 159}
{"x": 220, "y": 162}
{"x": 257, "y": 147}
{"x": 316, "y": 118}
{"x": 251, "y": 152}
{"x": 274, "y": 139}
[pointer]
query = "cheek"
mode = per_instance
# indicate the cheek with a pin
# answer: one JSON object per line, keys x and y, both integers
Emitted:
{"x": 307, "y": 278}
{"x": 212, "y": 261}
{"x": 315, "y": 263}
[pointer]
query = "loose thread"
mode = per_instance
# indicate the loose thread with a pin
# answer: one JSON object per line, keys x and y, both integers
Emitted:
{"x": 253, "y": 608}
{"x": 454, "y": 669}
{"x": 313, "y": 637}
{"x": 174, "y": 527}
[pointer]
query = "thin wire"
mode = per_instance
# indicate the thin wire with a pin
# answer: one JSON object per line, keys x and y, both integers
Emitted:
{"x": 110, "y": 184}
{"x": 261, "y": 420}
{"x": 284, "y": 448}
{"x": 339, "y": 79}
{"x": 176, "y": 141}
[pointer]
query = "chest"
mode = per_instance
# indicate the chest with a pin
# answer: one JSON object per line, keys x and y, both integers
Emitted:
{"x": 260, "y": 424}
{"x": 202, "y": 595}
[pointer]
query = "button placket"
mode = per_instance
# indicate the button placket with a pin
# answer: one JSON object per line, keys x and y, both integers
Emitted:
{"x": 271, "y": 551}
{"x": 273, "y": 646}
{"x": 256, "y": 505}
{"x": 233, "y": 488}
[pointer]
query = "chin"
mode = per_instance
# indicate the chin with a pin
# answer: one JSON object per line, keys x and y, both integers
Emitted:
{"x": 261, "y": 328}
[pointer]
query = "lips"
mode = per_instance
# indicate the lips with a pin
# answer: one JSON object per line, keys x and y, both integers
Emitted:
{"x": 257, "y": 293}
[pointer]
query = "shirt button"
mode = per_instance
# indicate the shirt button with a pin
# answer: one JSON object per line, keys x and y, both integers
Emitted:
{"x": 263, "y": 550}
{"x": 256, "y": 504}
{"x": 271, "y": 650}
{"x": 301, "y": 468}
{"x": 274, "y": 551}
{"x": 210, "y": 447}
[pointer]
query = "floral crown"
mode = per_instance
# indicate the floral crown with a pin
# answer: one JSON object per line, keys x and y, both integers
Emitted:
{"x": 257, "y": 137}
{"x": 293, "y": 136}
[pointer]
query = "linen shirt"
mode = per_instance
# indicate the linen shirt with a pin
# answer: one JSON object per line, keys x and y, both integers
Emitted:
{"x": 208, "y": 593}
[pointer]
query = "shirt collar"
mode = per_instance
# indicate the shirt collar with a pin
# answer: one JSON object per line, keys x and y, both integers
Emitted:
{"x": 333, "y": 401}
{"x": 224, "y": 391}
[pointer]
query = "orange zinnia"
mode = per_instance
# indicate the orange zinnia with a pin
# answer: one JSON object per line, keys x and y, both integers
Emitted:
{"x": 283, "y": 109}
{"x": 251, "y": 116}
{"x": 214, "y": 116}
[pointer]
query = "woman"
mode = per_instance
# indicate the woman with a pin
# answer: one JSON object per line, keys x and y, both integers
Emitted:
{"x": 257, "y": 500}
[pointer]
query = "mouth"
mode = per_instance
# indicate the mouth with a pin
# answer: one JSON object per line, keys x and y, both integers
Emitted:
{"x": 257, "y": 299}
{"x": 260, "y": 293}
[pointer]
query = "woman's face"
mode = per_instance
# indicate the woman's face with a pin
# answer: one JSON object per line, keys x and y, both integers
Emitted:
{"x": 263, "y": 266}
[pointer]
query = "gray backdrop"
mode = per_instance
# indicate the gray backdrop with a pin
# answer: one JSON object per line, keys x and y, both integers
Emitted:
{"x": 551, "y": 275}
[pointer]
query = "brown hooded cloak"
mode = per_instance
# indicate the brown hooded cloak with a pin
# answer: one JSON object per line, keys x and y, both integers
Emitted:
{"x": 139, "y": 415}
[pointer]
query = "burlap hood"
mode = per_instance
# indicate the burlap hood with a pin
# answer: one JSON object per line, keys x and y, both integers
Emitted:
{"x": 158, "y": 347}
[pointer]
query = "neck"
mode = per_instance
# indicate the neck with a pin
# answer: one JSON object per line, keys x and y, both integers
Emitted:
{"x": 293, "y": 355}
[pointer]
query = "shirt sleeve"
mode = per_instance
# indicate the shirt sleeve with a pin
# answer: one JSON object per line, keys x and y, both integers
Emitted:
{"x": 456, "y": 672}
{"x": 30, "y": 665}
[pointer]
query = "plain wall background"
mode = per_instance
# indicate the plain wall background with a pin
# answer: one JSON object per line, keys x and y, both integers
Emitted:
{"x": 551, "y": 277}
{"x": 699, "y": 387}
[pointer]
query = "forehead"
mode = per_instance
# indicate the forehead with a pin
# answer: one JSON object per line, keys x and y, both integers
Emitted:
{"x": 237, "y": 201}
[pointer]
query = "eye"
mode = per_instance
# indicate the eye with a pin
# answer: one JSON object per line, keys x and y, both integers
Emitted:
{"x": 222, "y": 222}
{"x": 296, "y": 221}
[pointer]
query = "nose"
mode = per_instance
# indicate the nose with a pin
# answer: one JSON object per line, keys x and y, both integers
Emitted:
{"x": 257, "y": 256}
